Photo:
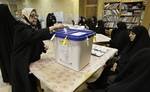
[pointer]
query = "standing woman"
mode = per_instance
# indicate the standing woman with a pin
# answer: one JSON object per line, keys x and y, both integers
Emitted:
{"x": 30, "y": 17}
{"x": 22, "y": 38}
{"x": 6, "y": 41}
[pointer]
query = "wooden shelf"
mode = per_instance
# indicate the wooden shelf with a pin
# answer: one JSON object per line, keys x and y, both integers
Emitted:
{"x": 112, "y": 9}
{"x": 131, "y": 22}
{"x": 111, "y": 2}
{"x": 133, "y": 2}
{"x": 111, "y": 15}
{"x": 123, "y": 1}
{"x": 119, "y": 15}
{"x": 130, "y": 16}
{"x": 108, "y": 21}
{"x": 131, "y": 9}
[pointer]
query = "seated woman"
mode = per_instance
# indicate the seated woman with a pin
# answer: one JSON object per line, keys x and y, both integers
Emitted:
{"x": 100, "y": 29}
{"x": 135, "y": 76}
{"x": 82, "y": 21}
{"x": 50, "y": 20}
{"x": 120, "y": 37}
{"x": 139, "y": 39}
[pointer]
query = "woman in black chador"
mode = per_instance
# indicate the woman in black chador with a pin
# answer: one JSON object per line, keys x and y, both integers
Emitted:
{"x": 120, "y": 37}
{"x": 82, "y": 21}
{"x": 16, "y": 52}
{"x": 50, "y": 20}
{"x": 6, "y": 41}
{"x": 135, "y": 76}
{"x": 100, "y": 29}
{"x": 139, "y": 39}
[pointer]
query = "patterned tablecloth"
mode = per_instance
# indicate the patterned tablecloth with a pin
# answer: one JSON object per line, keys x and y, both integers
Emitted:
{"x": 62, "y": 79}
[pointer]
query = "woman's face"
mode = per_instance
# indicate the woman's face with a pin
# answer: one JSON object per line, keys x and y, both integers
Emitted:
{"x": 33, "y": 18}
{"x": 132, "y": 36}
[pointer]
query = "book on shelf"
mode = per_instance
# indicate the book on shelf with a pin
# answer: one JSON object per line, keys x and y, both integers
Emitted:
{"x": 125, "y": 13}
{"x": 109, "y": 25}
{"x": 130, "y": 19}
{"x": 112, "y": 12}
{"x": 110, "y": 18}
{"x": 112, "y": 6}
{"x": 130, "y": 26}
{"x": 125, "y": 1}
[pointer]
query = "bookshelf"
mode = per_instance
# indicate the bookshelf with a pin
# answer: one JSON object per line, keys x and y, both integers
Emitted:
{"x": 128, "y": 11}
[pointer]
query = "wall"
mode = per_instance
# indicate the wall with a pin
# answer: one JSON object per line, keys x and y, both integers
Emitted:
{"x": 70, "y": 8}
{"x": 146, "y": 20}
{"x": 4, "y": 1}
{"x": 100, "y": 9}
{"x": 11, "y": 5}
{"x": 81, "y": 7}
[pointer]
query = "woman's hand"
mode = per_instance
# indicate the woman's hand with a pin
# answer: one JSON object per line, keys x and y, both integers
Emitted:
{"x": 56, "y": 26}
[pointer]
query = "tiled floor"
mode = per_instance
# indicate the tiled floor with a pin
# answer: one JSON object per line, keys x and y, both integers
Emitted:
{"x": 7, "y": 88}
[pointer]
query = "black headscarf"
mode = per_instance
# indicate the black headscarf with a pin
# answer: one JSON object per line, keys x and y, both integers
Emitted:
{"x": 6, "y": 40}
{"x": 50, "y": 20}
{"x": 142, "y": 38}
{"x": 82, "y": 21}
{"x": 135, "y": 76}
{"x": 141, "y": 41}
{"x": 120, "y": 37}
{"x": 90, "y": 25}
{"x": 94, "y": 20}
{"x": 100, "y": 29}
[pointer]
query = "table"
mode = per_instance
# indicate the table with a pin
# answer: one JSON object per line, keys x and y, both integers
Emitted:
{"x": 102, "y": 38}
{"x": 62, "y": 79}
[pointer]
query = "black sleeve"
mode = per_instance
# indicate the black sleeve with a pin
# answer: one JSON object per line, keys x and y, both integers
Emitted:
{"x": 34, "y": 36}
{"x": 25, "y": 34}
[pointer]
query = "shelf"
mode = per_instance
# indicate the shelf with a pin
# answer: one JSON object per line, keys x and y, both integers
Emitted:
{"x": 123, "y": 1}
{"x": 122, "y": 10}
{"x": 112, "y": 9}
{"x": 112, "y": 2}
{"x": 132, "y": 2}
{"x": 131, "y": 22}
{"x": 130, "y": 16}
{"x": 111, "y": 15}
{"x": 109, "y": 21}
{"x": 131, "y": 9}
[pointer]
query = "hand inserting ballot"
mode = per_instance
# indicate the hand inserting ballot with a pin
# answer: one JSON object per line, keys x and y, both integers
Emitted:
{"x": 56, "y": 26}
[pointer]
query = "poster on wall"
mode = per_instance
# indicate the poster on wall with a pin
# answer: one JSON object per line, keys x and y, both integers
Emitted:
{"x": 59, "y": 16}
